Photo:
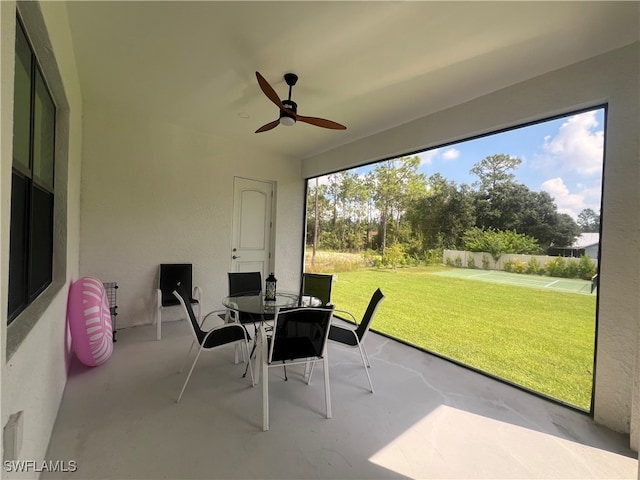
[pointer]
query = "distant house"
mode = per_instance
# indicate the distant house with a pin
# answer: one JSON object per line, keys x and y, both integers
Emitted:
{"x": 586, "y": 244}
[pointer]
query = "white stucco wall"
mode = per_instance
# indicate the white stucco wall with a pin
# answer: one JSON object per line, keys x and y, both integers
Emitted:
{"x": 155, "y": 192}
{"x": 33, "y": 379}
{"x": 611, "y": 78}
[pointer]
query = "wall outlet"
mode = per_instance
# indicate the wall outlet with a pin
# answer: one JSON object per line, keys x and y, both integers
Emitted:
{"x": 12, "y": 436}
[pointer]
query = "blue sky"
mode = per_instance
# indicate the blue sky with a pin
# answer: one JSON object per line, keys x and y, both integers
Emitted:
{"x": 562, "y": 157}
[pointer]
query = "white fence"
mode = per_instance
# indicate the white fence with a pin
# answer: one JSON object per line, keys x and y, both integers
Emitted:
{"x": 485, "y": 260}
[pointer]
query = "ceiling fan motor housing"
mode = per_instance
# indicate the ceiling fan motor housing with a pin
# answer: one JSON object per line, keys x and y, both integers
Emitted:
{"x": 285, "y": 117}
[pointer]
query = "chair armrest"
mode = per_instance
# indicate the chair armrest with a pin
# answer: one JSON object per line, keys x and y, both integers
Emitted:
{"x": 222, "y": 327}
{"x": 197, "y": 294}
{"x": 340, "y": 327}
{"x": 214, "y": 313}
{"x": 346, "y": 313}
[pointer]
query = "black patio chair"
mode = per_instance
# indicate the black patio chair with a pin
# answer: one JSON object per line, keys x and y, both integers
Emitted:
{"x": 299, "y": 337}
{"x": 170, "y": 276}
{"x": 317, "y": 285}
{"x": 355, "y": 337}
{"x": 225, "y": 334}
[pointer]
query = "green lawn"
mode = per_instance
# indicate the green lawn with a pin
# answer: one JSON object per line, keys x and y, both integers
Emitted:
{"x": 542, "y": 340}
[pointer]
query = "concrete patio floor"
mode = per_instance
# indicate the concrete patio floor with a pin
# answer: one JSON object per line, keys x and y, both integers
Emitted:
{"x": 428, "y": 418}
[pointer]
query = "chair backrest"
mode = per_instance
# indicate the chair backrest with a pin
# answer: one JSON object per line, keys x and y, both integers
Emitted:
{"x": 172, "y": 275}
{"x": 300, "y": 333}
{"x": 363, "y": 328}
{"x": 180, "y": 295}
{"x": 245, "y": 283}
{"x": 317, "y": 285}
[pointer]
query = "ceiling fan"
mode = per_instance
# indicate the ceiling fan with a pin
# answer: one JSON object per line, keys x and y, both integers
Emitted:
{"x": 289, "y": 109}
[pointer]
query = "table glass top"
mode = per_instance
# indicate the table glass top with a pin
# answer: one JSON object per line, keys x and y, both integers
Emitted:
{"x": 258, "y": 305}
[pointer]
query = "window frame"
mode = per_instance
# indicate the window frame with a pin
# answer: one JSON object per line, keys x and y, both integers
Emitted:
{"x": 37, "y": 262}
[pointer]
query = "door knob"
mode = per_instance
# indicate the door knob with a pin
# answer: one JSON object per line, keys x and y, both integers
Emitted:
{"x": 235, "y": 256}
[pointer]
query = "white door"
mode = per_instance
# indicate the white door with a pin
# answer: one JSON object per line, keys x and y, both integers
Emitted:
{"x": 251, "y": 237}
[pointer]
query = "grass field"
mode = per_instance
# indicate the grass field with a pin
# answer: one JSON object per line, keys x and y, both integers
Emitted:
{"x": 540, "y": 339}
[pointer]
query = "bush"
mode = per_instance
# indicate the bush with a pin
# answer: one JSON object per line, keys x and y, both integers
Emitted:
{"x": 449, "y": 262}
{"x": 394, "y": 255}
{"x": 498, "y": 242}
{"x": 586, "y": 268}
{"x": 458, "y": 262}
{"x": 515, "y": 265}
{"x": 555, "y": 267}
{"x": 471, "y": 263}
{"x": 572, "y": 269}
{"x": 534, "y": 267}
{"x": 434, "y": 256}
{"x": 485, "y": 262}
{"x": 519, "y": 266}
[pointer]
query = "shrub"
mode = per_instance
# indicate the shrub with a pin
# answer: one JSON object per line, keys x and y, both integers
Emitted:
{"x": 572, "y": 269}
{"x": 471, "y": 263}
{"x": 458, "y": 261}
{"x": 555, "y": 267}
{"x": 515, "y": 265}
{"x": 434, "y": 256}
{"x": 534, "y": 267}
{"x": 485, "y": 262}
{"x": 586, "y": 268}
{"x": 498, "y": 242}
{"x": 519, "y": 266}
{"x": 449, "y": 262}
{"x": 394, "y": 255}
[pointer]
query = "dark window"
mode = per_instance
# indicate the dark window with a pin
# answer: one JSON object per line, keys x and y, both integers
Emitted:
{"x": 32, "y": 192}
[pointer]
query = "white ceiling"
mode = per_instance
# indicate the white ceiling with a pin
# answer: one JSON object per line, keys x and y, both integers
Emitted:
{"x": 367, "y": 65}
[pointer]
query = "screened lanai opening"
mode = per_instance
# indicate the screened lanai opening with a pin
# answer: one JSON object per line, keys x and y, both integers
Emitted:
{"x": 487, "y": 250}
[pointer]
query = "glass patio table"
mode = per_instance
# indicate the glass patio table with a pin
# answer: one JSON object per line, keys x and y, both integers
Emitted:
{"x": 255, "y": 309}
{"x": 258, "y": 306}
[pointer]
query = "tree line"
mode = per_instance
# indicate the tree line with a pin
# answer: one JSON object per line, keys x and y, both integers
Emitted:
{"x": 396, "y": 206}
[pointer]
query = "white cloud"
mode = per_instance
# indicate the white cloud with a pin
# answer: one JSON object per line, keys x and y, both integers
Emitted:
{"x": 567, "y": 202}
{"x": 577, "y": 147}
{"x": 451, "y": 154}
{"x": 426, "y": 158}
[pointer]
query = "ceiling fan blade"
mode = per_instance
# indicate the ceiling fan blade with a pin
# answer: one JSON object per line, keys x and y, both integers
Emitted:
{"x": 320, "y": 122}
{"x": 268, "y": 126}
{"x": 269, "y": 91}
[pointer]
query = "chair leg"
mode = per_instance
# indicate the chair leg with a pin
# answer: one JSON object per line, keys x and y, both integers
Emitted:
{"x": 187, "y": 357}
{"x": 364, "y": 362}
{"x": 195, "y": 360}
{"x": 158, "y": 324}
{"x": 327, "y": 390}
{"x": 265, "y": 396}
{"x": 366, "y": 355}
{"x": 313, "y": 364}
{"x": 258, "y": 364}
{"x": 158, "y": 314}
{"x": 248, "y": 360}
